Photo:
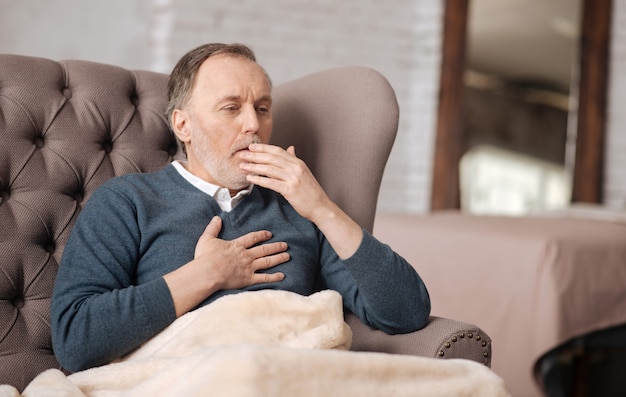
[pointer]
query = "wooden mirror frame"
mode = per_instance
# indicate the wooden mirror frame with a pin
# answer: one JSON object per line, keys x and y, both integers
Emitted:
{"x": 450, "y": 140}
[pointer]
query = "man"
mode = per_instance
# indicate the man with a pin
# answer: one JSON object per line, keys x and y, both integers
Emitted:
{"x": 239, "y": 214}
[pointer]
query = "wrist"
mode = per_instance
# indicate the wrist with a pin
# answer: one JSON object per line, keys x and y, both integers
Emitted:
{"x": 189, "y": 286}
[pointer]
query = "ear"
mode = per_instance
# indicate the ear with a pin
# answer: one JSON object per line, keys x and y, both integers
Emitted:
{"x": 181, "y": 125}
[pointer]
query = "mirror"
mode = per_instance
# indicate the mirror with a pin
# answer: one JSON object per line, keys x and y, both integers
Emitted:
{"x": 520, "y": 108}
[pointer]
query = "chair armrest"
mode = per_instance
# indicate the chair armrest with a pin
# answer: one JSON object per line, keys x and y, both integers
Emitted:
{"x": 441, "y": 338}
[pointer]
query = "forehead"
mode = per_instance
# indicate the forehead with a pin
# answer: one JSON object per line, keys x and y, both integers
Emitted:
{"x": 229, "y": 75}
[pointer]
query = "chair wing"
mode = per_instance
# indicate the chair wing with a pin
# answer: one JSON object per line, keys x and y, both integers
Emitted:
{"x": 343, "y": 123}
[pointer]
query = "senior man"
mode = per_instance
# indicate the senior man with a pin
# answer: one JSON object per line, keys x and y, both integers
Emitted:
{"x": 237, "y": 215}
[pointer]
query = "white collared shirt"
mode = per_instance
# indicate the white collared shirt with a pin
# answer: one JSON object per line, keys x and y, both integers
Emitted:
{"x": 220, "y": 194}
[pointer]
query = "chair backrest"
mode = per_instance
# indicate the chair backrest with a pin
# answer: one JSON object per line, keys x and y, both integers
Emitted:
{"x": 66, "y": 127}
{"x": 343, "y": 123}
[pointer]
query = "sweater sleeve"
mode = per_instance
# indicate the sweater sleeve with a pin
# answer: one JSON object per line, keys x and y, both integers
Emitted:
{"x": 97, "y": 313}
{"x": 379, "y": 286}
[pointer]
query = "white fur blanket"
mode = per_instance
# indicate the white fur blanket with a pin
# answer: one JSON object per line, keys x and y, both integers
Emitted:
{"x": 266, "y": 343}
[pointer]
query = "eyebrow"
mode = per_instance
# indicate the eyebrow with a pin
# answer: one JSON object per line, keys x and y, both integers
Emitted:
{"x": 237, "y": 98}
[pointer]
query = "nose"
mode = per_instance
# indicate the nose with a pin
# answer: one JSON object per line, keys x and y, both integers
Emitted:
{"x": 251, "y": 120}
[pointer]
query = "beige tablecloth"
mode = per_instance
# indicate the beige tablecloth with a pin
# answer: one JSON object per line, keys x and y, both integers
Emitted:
{"x": 531, "y": 283}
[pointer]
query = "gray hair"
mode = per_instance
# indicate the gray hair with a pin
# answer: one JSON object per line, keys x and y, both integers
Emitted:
{"x": 184, "y": 73}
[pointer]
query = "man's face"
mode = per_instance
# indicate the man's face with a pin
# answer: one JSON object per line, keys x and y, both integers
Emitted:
{"x": 229, "y": 109}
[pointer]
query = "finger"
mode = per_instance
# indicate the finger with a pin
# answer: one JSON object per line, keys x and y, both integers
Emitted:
{"x": 263, "y": 147}
{"x": 270, "y": 261}
{"x": 214, "y": 227}
{"x": 268, "y": 183}
{"x": 253, "y": 238}
{"x": 281, "y": 167}
{"x": 267, "y": 157}
{"x": 261, "y": 153}
{"x": 273, "y": 149}
{"x": 268, "y": 170}
{"x": 259, "y": 278}
{"x": 266, "y": 250}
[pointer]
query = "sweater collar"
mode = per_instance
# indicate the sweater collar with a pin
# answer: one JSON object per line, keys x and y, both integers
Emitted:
{"x": 220, "y": 194}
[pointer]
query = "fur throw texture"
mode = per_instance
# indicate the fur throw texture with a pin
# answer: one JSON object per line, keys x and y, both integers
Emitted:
{"x": 266, "y": 343}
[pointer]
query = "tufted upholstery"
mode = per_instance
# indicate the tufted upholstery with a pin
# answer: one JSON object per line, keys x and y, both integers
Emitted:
{"x": 64, "y": 132}
{"x": 66, "y": 127}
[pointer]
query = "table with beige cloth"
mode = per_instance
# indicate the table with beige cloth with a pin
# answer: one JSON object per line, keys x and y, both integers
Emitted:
{"x": 531, "y": 283}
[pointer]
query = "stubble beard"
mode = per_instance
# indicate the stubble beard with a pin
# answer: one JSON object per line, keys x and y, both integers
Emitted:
{"x": 225, "y": 171}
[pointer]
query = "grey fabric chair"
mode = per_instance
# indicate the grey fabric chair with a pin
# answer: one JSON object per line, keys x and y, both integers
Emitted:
{"x": 66, "y": 127}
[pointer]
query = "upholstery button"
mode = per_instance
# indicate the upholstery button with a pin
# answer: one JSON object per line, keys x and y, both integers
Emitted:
{"x": 107, "y": 147}
{"x": 5, "y": 194}
{"x": 18, "y": 302}
{"x": 79, "y": 196}
{"x": 38, "y": 141}
{"x": 49, "y": 247}
{"x": 67, "y": 93}
{"x": 134, "y": 100}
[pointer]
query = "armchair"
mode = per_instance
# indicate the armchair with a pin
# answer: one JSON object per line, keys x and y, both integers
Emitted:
{"x": 66, "y": 127}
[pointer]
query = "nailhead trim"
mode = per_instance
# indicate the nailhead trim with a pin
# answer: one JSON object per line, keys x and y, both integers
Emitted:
{"x": 470, "y": 335}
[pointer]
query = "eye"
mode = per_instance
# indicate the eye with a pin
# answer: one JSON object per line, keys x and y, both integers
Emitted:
{"x": 263, "y": 109}
{"x": 232, "y": 108}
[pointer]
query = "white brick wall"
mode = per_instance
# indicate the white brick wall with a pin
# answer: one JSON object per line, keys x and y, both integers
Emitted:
{"x": 399, "y": 38}
{"x": 615, "y": 167}
{"x": 112, "y": 31}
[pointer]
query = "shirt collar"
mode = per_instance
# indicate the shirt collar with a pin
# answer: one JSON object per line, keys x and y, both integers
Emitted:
{"x": 220, "y": 194}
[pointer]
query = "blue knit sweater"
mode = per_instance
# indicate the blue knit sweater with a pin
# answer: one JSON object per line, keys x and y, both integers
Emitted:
{"x": 110, "y": 296}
